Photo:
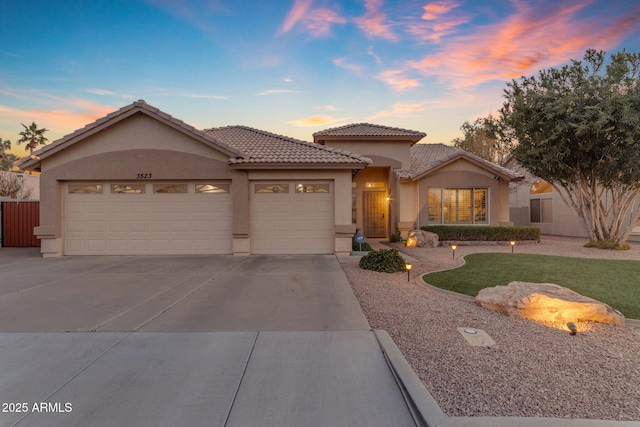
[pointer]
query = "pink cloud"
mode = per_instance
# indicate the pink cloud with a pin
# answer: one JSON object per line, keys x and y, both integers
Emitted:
{"x": 373, "y": 22}
{"x": 297, "y": 12}
{"x": 75, "y": 114}
{"x": 398, "y": 80}
{"x": 319, "y": 22}
{"x": 435, "y": 31}
{"x": 523, "y": 43}
{"x": 433, "y": 10}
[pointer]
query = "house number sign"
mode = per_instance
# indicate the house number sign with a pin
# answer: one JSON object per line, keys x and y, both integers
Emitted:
{"x": 143, "y": 176}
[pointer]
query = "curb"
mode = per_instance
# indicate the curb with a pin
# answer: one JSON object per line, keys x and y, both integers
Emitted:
{"x": 427, "y": 413}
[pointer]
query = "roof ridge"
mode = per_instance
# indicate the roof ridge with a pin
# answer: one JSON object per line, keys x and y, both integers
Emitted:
{"x": 374, "y": 125}
{"x": 295, "y": 141}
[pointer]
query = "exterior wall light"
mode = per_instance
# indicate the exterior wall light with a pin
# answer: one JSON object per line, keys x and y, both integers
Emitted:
{"x": 453, "y": 248}
{"x": 407, "y": 267}
{"x": 513, "y": 244}
{"x": 572, "y": 327}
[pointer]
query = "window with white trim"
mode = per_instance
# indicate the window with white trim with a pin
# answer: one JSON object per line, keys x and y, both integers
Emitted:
{"x": 458, "y": 205}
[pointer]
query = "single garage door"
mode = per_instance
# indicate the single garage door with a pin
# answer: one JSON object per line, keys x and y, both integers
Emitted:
{"x": 292, "y": 217}
{"x": 113, "y": 218}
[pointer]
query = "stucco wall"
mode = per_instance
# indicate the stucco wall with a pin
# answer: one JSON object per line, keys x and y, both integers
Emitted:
{"x": 396, "y": 150}
{"x": 462, "y": 174}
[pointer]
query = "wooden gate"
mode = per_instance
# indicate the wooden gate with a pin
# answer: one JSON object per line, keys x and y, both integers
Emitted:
{"x": 18, "y": 220}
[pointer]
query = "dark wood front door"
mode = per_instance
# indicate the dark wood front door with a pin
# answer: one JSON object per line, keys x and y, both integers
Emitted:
{"x": 375, "y": 214}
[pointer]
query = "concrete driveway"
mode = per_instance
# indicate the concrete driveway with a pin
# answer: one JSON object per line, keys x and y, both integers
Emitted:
{"x": 190, "y": 340}
{"x": 177, "y": 294}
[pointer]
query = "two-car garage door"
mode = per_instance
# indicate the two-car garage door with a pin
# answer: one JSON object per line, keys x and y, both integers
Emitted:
{"x": 115, "y": 218}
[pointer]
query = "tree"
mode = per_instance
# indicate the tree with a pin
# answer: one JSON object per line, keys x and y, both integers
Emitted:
{"x": 32, "y": 136}
{"x": 12, "y": 186}
{"x": 483, "y": 139}
{"x": 6, "y": 159}
{"x": 578, "y": 127}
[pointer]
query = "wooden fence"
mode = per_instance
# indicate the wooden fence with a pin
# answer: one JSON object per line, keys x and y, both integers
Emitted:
{"x": 18, "y": 220}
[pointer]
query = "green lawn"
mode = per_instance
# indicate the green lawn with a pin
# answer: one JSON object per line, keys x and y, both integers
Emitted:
{"x": 613, "y": 282}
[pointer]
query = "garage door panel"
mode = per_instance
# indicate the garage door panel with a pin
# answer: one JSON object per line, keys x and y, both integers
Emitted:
{"x": 148, "y": 223}
{"x": 289, "y": 223}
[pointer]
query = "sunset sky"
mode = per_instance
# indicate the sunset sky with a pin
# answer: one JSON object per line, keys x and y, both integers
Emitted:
{"x": 291, "y": 67}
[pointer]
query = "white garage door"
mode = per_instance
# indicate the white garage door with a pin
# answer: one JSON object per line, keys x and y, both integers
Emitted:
{"x": 292, "y": 218}
{"x": 111, "y": 218}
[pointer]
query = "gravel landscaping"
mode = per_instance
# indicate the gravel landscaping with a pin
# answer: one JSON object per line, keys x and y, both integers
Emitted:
{"x": 533, "y": 370}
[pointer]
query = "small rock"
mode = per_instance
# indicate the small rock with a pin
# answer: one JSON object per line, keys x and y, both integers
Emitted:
{"x": 546, "y": 302}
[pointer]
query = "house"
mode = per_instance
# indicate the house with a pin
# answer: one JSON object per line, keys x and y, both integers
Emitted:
{"x": 139, "y": 181}
{"x": 535, "y": 202}
{"x": 410, "y": 185}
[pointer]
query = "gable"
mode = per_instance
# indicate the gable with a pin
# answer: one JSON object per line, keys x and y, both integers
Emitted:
{"x": 137, "y": 132}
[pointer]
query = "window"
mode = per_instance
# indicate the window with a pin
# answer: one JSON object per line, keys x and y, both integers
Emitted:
{"x": 540, "y": 186}
{"x": 212, "y": 188}
{"x": 127, "y": 188}
{"x": 458, "y": 205}
{"x": 85, "y": 189}
{"x": 354, "y": 207}
{"x": 312, "y": 188}
{"x": 541, "y": 210}
{"x": 169, "y": 188}
{"x": 272, "y": 188}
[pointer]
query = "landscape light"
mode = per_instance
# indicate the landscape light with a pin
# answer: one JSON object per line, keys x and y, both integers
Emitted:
{"x": 572, "y": 327}
{"x": 513, "y": 243}
{"x": 408, "y": 266}
{"x": 453, "y": 248}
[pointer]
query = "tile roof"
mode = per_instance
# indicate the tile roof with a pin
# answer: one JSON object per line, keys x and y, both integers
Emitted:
{"x": 260, "y": 146}
{"x": 426, "y": 158}
{"x": 369, "y": 130}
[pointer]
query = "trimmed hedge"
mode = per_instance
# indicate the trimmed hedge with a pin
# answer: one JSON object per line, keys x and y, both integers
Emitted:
{"x": 480, "y": 233}
{"x": 383, "y": 260}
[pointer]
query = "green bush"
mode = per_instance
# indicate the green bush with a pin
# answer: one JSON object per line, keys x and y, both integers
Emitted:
{"x": 355, "y": 246}
{"x": 383, "y": 260}
{"x": 395, "y": 237}
{"x": 483, "y": 233}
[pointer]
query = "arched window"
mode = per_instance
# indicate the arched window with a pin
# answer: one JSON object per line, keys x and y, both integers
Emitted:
{"x": 540, "y": 186}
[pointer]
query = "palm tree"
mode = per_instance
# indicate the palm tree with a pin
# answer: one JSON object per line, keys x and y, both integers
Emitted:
{"x": 32, "y": 136}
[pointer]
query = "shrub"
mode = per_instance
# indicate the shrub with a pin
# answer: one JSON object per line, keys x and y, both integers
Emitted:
{"x": 383, "y": 260}
{"x": 483, "y": 233}
{"x": 607, "y": 244}
{"x": 395, "y": 237}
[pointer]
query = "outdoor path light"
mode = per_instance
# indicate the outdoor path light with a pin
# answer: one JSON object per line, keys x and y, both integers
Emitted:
{"x": 513, "y": 244}
{"x": 408, "y": 266}
{"x": 453, "y": 248}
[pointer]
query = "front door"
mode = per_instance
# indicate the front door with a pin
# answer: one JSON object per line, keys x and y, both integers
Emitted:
{"x": 375, "y": 214}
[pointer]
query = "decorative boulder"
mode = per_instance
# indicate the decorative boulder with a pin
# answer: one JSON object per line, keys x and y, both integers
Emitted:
{"x": 421, "y": 238}
{"x": 546, "y": 302}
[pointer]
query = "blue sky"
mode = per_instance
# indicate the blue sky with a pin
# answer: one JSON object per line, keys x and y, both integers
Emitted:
{"x": 291, "y": 67}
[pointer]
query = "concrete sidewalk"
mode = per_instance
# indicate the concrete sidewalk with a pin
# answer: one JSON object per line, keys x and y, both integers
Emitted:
{"x": 214, "y": 379}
